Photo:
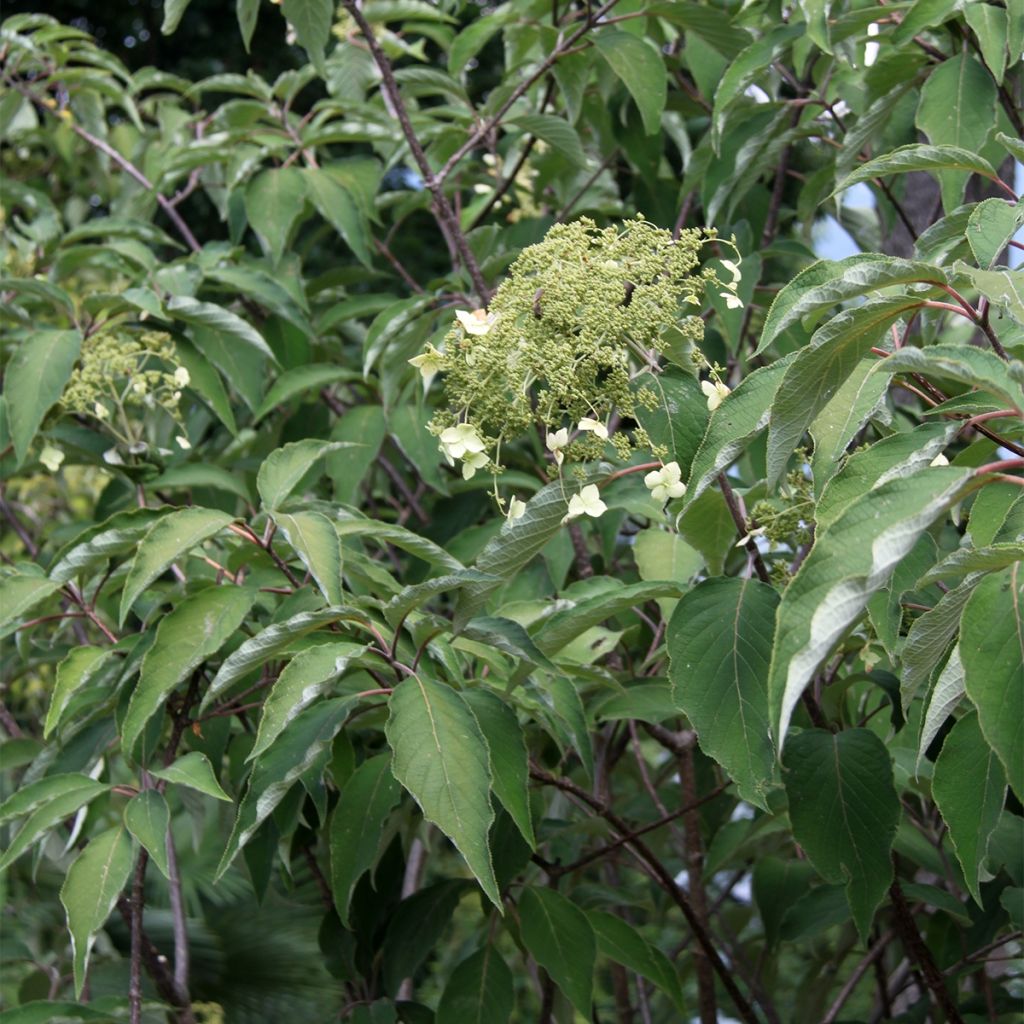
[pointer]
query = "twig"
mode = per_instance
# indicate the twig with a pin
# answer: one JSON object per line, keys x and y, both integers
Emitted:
{"x": 739, "y": 517}
{"x": 581, "y": 191}
{"x": 871, "y": 957}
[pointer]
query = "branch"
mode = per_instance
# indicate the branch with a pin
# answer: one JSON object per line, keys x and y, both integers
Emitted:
{"x": 871, "y": 957}
{"x": 739, "y": 517}
{"x": 135, "y": 975}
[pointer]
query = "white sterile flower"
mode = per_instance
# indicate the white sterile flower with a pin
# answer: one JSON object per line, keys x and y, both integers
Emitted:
{"x": 734, "y": 270}
{"x": 665, "y": 483}
{"x": 182, "y": 379}
{"x": 479, "y": 321}
{"x": 139, "y": 386}
{"x": 100, "y": 411}
{"x": 428, "y": 363}
{"x": 939, "y": 460}
{"x": 472, "y": 462}
{"x": 715, "y": 391}
{"x": 183, "y": 442}
{"x": 51, "y": 457}
{"x": 588, "y": 502}
{"x": 595, "y": 427}
{"x": 732, "y": 301}
{"x": 556, "y": 442}
{"x": 516, "y": 508}
{"x": 458, "y": 440}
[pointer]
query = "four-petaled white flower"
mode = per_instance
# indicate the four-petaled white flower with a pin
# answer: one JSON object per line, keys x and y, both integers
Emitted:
{"x": 516, "y": 508}
{"x": 715, "y": 391}
{"x": 458, "y": 440}
{"x": 556, "y": 442}
{"x": 734, "y": 270}
{"x": 182, "y": 377}
{"x": 588, "y": 502}
{"x": 429, "y": 363}
{"x": 51, "y": 457}
{"x": 665, "y": 483}
{"x": 472, "y": 462}
{"x": 732, "y": 301}
{"x": 595, "y": 427}
{"x": 183, "y": 442}
{"x": 479, "y": 321}
{"x": 939, "y": 460}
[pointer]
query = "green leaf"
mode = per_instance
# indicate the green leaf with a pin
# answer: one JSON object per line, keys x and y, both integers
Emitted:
{"x": 315, "y": 541}
{"x": 505, "y": 635}
{"x": 185, "y": 637}
{"x": 311, "y": 20}
{"x": 148, "y": 818}
{"x": 918, "y": 157}
{"x": 621, "y": 942}
{"x": 297, "y": 381}
{"x": 262, "y": 287}
{"x": 282, "y": 470}
{"x": 74, "y": 673}
{"x": 168, "y": 539}
{"x": 93, "y": 546}
{"x": 844, "y": 810}
{"x": 719, "y": 643}
{"x": 173, "y": 11}
{"x": 479, "y": 991}
{"x": 247, "y": 12}
{"x": 967, "y": 560}
{"x": 734, "y": 424}
{"x": 641, "y": 69}
{"x": 206, "y": 382}
{"x": 681, "y": 417}
{"x": 268, "y": 643}
{"x": 20, "y": 593}
{"x": 1001, "y": 287}
{"x": 957, "y": 108}
{"x": 357, "y": 827}
{"x": 922, "y": 15}
{"x": 711, "y": 24}
{"x": 992, "y": 223}
{"x": 190, "y": 475}
{"x": 819, "y": 371}
{"x": 301, "y": 681}
{"x": 969, "y": 787}
{"x": 274, "y": 199}
{"x": 828, "y": 282}
{"x": 295, "y": 750}
{"x": 441, "y": 758}
{"x": 849, "y": 562}
{"x": 556, "y": 132}
{"x": 474, "y": 37}
{"x": 417, "y": 594}
{"x": 336, "y": 205}
{"x": 219, "y": 321}
{"x": 507, "y": 756}
{"x": 558, "y": 935}
{"x": 992, "y": 651}
{"x": 90, "y": 890}
{"x": 34, "y": 380}
{"x": 31, "y": 797}
{"x": 942, "y": 702}
{"x": 195, "y": 771}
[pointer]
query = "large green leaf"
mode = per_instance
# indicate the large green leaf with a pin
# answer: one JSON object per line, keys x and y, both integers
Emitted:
{"x": 734, "y": 424}
{"x": 441, "y": 758}
{"x": 849, "y": 562}
{"x": 311, "y": 20}
{"x": 680, "y": 419}
{"x": 93, "y": 546}
{"x": 274, "y": 199}
{"x": 19, "y": 593}
{"x": 173, "y": 12}
{"x": 969, "y": 787}
{"x": 315, "y": 541}
{"x": 942, "y": 702}
{"x": 720, "y": 644}
{"x": 306, "y": 741}
{"x": 90, "y": 890}
{"x": 992, "y": 651}
{"x": 220, "y": 321}
{"x": 1003, "y": 288}
{"x": 168, "y": 539}
{"x": 560, "y": 938}
{"x": 297, "y": 381}
{"x": 31, "y": 797}
{"x": 74, "y": 673}
{"x": 919, "y": 157}
{"x": 148, "y": 818}
{"x": 357, "y": 827}
{"x": 641, "y": 69}
{"x": 282, "y": 470}
{"x": 34, "y": 380}
{"x": 195, "y": 771}
{"x": 991, "y": 225}
{"x": 508, "y": 756}
{"x": 844, "y": 810}
{"x": 336, "y": 205}
{"x": 479, "y": 991}
{"x": 556, "y": 132}
{"x": 301, "y": 681}
{"x": 185, "y": 637}
{"x": 820, "y": 369}
{"x": 829, "y": 282}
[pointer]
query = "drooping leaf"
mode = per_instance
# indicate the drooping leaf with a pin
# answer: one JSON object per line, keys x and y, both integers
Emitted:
{"x": 90, "y": 890}
{"x": 969, "y": 786}
{"x": 942, "y": 702}
{"x": 31, "y": 797}
{"x": 505, "y": 635}
{"x": 220, "y": 321}
{"x": 479, "y": 991}
{"x": 337, "y": 206}
{"x": 282, "y": 470}
{"x": 357, "y": 827}
{"x": 74, "y": 673}
{"x": 719, "y": 644}
{"x": 274, "y": 199}
{"x": 680, "y": 419}
{"x": 919, "y": 157}
{"x": 844, "y": 810}
{"x": 316, "y": 542}
{"x": 189, "y": 634}
{"x": 167, "y": 540}
{"x": 148, "y": 818}
{"x": 19, "y": 593}
{"x": 441, "y": 758}
{"x": 173, "y": 12}
{"x": 641, "y": 69}
{"x": 195, "y": 771}
{"x": 560, "y": 938}
{"x": 992, "y": 651}
{"x": 114, "y": 536}
{"x": 311, "y": 20}
{"x": 848, "y": 563}
{"x": 297, "y": 381}
{"x": 556, "y": 132}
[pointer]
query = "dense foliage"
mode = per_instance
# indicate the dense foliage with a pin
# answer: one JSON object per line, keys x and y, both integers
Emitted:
{"x": 466, "y": 558}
